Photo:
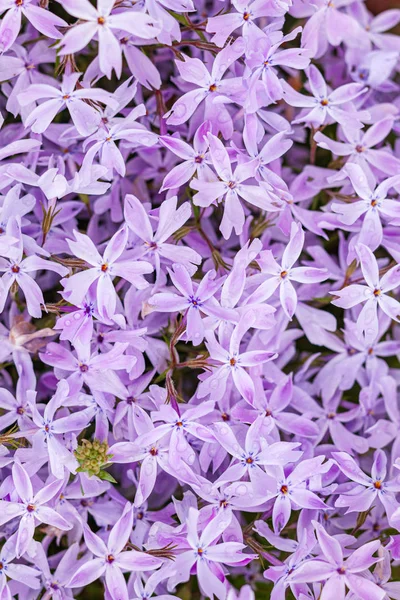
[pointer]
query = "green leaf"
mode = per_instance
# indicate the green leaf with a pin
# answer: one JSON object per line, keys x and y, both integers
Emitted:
{"x": 105, "y": 476}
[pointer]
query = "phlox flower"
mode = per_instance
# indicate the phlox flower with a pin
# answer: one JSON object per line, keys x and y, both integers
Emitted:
{"x": 325, "y": 106}
{"x": 102, "y": 270}
{"x": 101, "y": 22}
{"x": 31, "y": 508}
{"x": 374, "y": 294}
{"x": 281, "y": 275}
{"x": 111, "y": 560}
{"x": 336, "y": 572}
{"x": 231, "y": 363}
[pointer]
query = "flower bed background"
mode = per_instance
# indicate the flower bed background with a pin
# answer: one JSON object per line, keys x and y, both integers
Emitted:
{"x": 199, "y": 248}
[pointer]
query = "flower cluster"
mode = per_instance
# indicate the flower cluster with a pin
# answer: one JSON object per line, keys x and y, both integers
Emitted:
{"x": 199, "y": 300}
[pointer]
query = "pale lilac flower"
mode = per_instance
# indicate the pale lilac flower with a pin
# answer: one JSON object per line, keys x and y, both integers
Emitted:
{"x": 110, "y": 155}
{"x": 95, "y": 370}
{"x": 111, "y": 560}
{"x": 374, "y": 294}
{"x": 49, "y": 431}
{"x": 43, "y": 20}
{"x": 206, "y": 555}
{"x": 327, "y": 25}
{"x": 155, "y": 245}
{"x": 29, "y": 576}
{"x": 212, "y": 86}
{"x": 194, "y": 159}
{"x": 194, "y": 300}
{"x": 31, "y": 508}
{"x": 368, "y": 489}
{"x": 372, "y": 204}
{"x": 324, "y": 106}
{"x": 84, "y": 116}
{"x": 103, "y": 269}
{"x": 255, "y": 453}
{"x": 293, "y": 490}
{"x": 264, "y": 56}
{"x": 247, "y": 12}
{"x": 18, "y": 270}
{"x": 281, "y": 275}
{"x": 101, "y": 23}
{"x": 336, "y": 572}
{"x": 359, "y": 147}
{"x": 230, "y": 363}
{"x": 230, "y": 187}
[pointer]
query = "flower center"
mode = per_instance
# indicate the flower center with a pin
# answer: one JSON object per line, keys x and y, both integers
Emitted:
{"x": 212, "y": 88}
{"x": 15, "y": 269}
{"x": 331, "y": 415}
{"x": 194, "y": 301}
{"x": 359, "y": 148}
{"x": 249, "y": 460}
{"x": 30, "y": 508}
{"x": 341, "y": 570}
{"x": 283, "y": 274}
{"x": 378, "y": 484}
{"x": 377, "y": 292}
{"x": 324, "y": 102}
{"x": 153, "y": 451}
{"x": 110, "y": 558}
{"x": 92, "y": 456}
{"x": 199, "y": 159}
{"x": 83, "y": 368}
{"x": 225, "y": 417}
{"x": 101, "y": 20}
{"x": 284, "y": 489}
{"x": 66, "y": 97}
{"x": 20, "y": 410}
{"x": 232, "y": 362}
{"x": 104, "y": 267}
{"x": 246, "y": 16}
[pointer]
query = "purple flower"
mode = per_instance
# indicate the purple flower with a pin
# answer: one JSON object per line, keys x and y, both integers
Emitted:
{"x": 206, "y": 555}
{"x": 103, "y": 269}
{"x": 155, "y": 245}
{"x": 374, "y": 293}
{"x": 111, "y": 560}
{"x": 84, "y": 116}
{"x": 324, "y": 106}
{"x": 373, "y": 204}
{"x": 15, "y": 571}
{"x": 282, "y": 274}
{"x": 230, "y": 187}
{"x": 375, "y": 487}
{"x": 17, "y": 271}
{"x": 212, "y": 86}
{"x": 231, "y": 363}
{"x": 99, "y": 21}
{"x": 336, "y": 572}
{"x": 193, "y": 301}
{"x": 43, "y": 20}
{"x": 31, "y": 508}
